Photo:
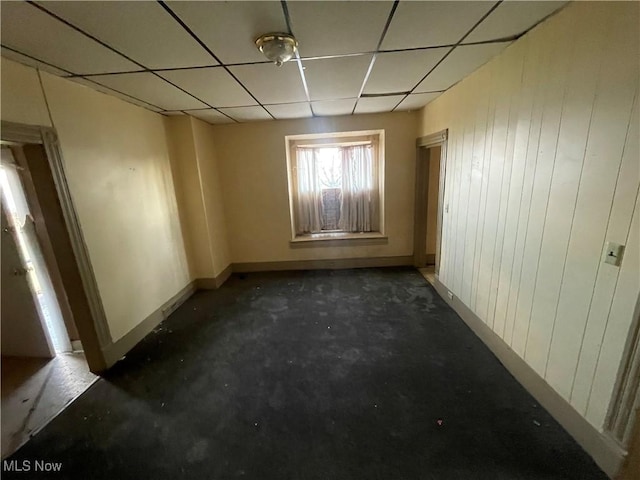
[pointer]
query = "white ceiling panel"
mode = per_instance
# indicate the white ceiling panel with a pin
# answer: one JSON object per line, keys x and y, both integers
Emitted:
{"x": 333, "y": 78}
{"x": 212, "y": 85}
{"x": 461, "y": 62}
{"x": 290, "y": 110}
{"x": 108, "y": 91}
{"x": 18, "y": 57}
{"x": 247, "y": 114}
{"x": 272, "y": 84}
{"x": 143, "y": 31}
{"x": 35, "y": 33}
{"x": 401, "y": 71}
{"x": 512, "y": 18}
{"x": 229, "y": 29}
{"x": 332, "y": 28}
{"x": 149, "y": 88}
{"x": 417, "y": 100}
{"x": 377, "y": 104}
{"x": 334, "y": 107}
{"x": 429, "y": 24}
{"x": 210, "y": 116}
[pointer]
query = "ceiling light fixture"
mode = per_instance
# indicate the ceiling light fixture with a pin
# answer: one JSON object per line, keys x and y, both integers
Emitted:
{"x": 277, "y": 47}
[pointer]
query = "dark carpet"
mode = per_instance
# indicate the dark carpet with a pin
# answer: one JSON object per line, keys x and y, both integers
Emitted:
{"x": 352, "y": 374}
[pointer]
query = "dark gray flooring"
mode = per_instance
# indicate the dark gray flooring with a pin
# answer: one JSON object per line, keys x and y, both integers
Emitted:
{"x": 353, "y": 374}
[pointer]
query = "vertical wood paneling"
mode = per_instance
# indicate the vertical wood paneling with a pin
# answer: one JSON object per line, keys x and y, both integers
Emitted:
{"x": 543, "y": 170}
{"x": 610, "y": 119}
{"x": 607, "y": 277}
{"x": 464, "y": 186}
{"x": 531, "y": 163}
{"x": 523, "y": 123}
{"x": 496, "y": 171}
{"x": 445, "y": 244}
{"x": 476, "y": 152}
{"x": 620, "y": 317}
{"x": 492, "y": 93}
{"x": 556, "y": 51}
{"x": 454, "y": 212}
{"x": 568, "y": 169}
{"x": 514, "y": 76}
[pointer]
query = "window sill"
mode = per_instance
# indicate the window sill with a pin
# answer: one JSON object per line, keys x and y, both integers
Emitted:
{"x": 327, "y": 239}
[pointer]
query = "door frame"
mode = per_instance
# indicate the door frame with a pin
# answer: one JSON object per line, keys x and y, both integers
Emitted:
{"x": 423, "y": 144}
{"x": 620, "y": 419}
{"x": 89, "y": 315}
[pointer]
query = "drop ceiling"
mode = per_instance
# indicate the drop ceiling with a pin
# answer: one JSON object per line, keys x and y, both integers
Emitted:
{"x": 199, "y": 58}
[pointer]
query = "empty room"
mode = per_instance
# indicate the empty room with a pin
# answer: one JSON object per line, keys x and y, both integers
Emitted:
{"x": 315, "y": 240}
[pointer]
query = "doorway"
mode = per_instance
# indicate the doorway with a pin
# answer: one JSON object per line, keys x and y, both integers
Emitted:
{"x": 623, "y": 419}
{"x": 429, "y": 192}
{"x": 43, "y": 364}
{"x": 33, "y": 299}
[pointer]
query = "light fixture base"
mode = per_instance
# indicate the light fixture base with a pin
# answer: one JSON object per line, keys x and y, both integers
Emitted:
{"x": 277, "y": 46}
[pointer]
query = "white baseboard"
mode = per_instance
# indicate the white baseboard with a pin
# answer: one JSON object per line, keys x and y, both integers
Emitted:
{"x": 607, "y": 454}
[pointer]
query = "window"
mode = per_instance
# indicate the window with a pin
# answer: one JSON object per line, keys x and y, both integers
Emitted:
{"x": 335, "y": 184}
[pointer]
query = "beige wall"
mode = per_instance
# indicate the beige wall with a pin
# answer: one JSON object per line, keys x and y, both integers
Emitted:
{"x": 22, "y": 100}
{"x": 117, "y": 165}
{"x": 195, "y": 170}
{"x": 542, "y": 171}
{"x": 253, "y": 171}
{"x": 214, "y": 207}
{"x": 186, "y": 176}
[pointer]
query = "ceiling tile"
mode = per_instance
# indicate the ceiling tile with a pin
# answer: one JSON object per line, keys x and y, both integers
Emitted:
{"x": 332, "y": 28}
{"x": 271, "y": 84}
{"x": 462, "y": 61}
{"x": 429, "y": 24}
{"x": 334, "y": 78}
{"x": 210, "y": 116}
{"x": 290, "y": 110}
{"x": 377, "y": 104}
{"x": 143, "y": 31}
{"x": 229, "y": 29}
{"x": 247, "y": 114}
{"x": 32, "y": 62}
{"x": 35, "y": 33}
{"x": 212, "y": 85}
{"x": 334, "y": 107}
{"x": 101, "y": 88}
{"x": 401, "y": 71}
{"x": 512, "y": 18}
{"x": 149, "y": 88}
{"x": 417, "y": 100}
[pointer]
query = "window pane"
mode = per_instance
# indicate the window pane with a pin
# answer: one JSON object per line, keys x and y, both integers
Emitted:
{"x": 329, "y": 167}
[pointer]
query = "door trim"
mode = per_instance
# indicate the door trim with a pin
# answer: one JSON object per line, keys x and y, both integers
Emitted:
{"x": 421, "y": 191}
{"x": 13, "y": 133}
{"x": 626, "y": 400}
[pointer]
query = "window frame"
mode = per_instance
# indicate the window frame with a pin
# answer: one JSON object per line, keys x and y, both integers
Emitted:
{"x": 336, "y": 139}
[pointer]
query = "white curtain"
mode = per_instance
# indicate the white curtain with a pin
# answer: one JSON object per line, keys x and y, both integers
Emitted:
{"x": 308, "y": 205}
{"x": 359, "y": 209}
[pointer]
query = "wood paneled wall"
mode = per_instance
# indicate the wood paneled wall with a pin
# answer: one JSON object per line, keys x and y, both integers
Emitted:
{"x": 542, "y": 171}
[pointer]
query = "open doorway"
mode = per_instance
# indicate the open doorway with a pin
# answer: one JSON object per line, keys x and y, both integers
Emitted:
{"x": 43, "y": 360}
{"x": 430, "y": 168}
{"x": 27, "y": 277}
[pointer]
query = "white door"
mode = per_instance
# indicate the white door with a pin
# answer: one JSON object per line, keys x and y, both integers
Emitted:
{"x": 23, "y": 333}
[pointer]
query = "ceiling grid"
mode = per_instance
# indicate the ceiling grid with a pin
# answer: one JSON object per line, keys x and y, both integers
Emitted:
{"x": 199, "y": 58}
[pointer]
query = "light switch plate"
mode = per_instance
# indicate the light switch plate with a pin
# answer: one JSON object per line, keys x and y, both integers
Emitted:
{"x": 613, "y": 254}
